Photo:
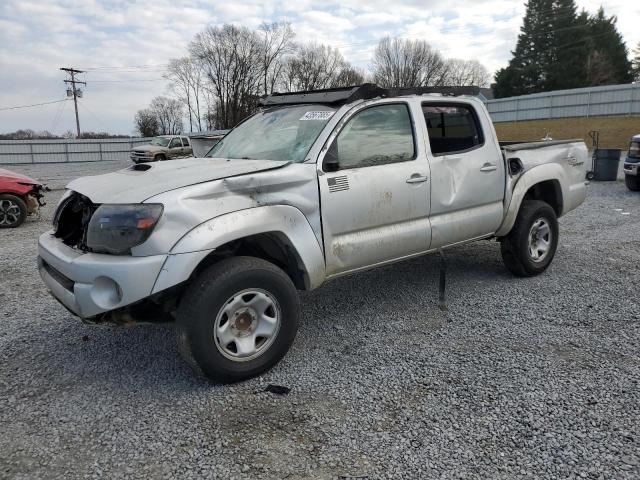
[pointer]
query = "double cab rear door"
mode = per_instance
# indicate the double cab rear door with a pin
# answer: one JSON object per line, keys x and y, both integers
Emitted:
{"x": 414, "y": 174}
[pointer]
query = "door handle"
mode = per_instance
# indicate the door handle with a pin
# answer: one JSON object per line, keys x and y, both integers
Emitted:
{"x": 417, "y": 178}
{"x": 488, "y": 167}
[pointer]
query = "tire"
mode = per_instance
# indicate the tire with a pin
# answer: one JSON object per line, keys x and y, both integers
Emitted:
{"x": 13, "y": 211}
{"x": 533, "y": 217}
{"x": 632, "y": 182}
{"x": 160, "y": 158}
{"x": 238, "y": 296}
{"x": 591, "y": 175}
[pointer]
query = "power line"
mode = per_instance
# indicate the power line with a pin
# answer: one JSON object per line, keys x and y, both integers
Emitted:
{"x": 127, "y": 67}
{"x": 33, "y": 105}
{"x": 99, "y": 121}
{"x": 127, "y": 81}
{"x": 58, "y": 116}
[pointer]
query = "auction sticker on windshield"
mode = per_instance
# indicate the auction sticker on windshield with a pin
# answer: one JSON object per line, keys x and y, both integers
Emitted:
{"x": 321, "y": 115}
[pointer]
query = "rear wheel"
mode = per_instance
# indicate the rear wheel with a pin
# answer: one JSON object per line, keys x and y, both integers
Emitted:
{"x": 237, "y": 319}
{"x": 632, "y": 182}
{"x": 13, "y": 211}
{"x": 531, "y": 244}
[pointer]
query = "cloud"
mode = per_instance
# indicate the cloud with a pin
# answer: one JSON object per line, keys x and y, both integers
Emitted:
{"x": 37, "y": 37}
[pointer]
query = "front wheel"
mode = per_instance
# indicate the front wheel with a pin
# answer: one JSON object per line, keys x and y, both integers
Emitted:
{"x": 531, "y": 244}
{"x": 13, "y": 211}
{"x": 632, "y": 182}
{"x": 237, "y": 319}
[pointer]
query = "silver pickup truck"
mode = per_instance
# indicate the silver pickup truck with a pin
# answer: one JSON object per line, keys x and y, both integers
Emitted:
{"x": 314, "y": 186}
{"x": 164, "y": 147}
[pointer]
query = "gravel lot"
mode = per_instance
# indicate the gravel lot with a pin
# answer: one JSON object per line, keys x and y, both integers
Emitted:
{"x": 521, "y": 378}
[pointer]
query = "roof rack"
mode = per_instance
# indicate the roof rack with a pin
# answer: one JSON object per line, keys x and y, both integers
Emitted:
{"x": 333, "y": 96}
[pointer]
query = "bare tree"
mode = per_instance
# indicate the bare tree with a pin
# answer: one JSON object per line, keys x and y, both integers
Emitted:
{"x": 407, "y": 63}
{"x": 466, "y": 73}
{"x": 231, "y": 57}
{"x": 168, "y": 113}
{"x": 348, "y": 76}
{"x": 186, "y": 80}
{"x": 146, "y": 123}
{"x": 276, "y": 41}
{"x": 312, "y": 67}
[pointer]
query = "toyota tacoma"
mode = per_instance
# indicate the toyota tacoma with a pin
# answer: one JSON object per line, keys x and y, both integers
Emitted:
{"x": 314, "y": 186}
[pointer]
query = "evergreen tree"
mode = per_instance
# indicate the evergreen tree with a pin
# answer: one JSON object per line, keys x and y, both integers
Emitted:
{"x": 527, "y": 71}
{"x": 559, "y": 48}
{"x": 609, "y": 60}
{"x": 635, "y": 69}
{"x": 571, "y": 47}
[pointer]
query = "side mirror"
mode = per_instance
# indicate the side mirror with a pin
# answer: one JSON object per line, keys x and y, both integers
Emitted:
{"x": 331, "y": 162}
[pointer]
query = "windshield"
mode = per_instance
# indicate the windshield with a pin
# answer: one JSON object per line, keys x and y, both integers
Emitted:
{"x": 284, "y": 133}
{"x": 163, "y": 142}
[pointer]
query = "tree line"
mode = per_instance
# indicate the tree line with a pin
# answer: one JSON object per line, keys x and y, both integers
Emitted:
{"x": 559, "y": 48}
{"x": 28, "y": 134}
{"x": 230, "y": 67}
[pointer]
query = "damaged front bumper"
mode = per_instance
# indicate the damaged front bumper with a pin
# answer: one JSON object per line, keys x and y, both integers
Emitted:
{"x": 89, "y": 284}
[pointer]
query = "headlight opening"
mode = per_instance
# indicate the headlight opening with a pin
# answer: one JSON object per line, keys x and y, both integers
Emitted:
{"x": 116, "y": 229}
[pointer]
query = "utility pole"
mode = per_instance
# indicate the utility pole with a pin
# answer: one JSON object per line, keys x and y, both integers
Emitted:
{"x": 72, "y": 72}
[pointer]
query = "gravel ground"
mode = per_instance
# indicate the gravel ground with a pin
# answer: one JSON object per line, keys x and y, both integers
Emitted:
{"x": 521, "y": 378}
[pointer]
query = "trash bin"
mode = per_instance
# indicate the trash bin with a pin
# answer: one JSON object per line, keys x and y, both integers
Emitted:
{"x": 605, "y": 164}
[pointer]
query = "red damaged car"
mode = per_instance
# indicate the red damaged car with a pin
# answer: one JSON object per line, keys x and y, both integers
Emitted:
{"x": 19, "y": 196}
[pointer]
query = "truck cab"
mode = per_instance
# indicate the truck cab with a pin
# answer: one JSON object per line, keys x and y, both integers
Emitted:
{"x": 314, "y": 186}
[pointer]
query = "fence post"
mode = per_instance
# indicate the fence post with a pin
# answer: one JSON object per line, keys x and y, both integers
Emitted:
{"x": 100, "y": 149}
{"x": 589, "y": 104}
{"x": 66, "y": 151}
{"x": 33, "y": 160}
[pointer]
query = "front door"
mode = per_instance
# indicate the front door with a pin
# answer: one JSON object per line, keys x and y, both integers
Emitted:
{"x": 175, "y": 147}
{"x": 375, "y": 189}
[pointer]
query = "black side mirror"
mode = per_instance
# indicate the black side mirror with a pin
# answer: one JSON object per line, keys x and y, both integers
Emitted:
{"x": 331, "y": 162}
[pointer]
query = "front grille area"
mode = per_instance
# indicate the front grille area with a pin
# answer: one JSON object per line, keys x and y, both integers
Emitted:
{"x": 66, "y": 282}
{"x": 139, "y": 154}
{"x": 71, "y": 220}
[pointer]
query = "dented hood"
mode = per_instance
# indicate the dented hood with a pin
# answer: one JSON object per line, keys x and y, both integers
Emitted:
{"x": 13, "y": 177}
{"x": 140, "y": 182}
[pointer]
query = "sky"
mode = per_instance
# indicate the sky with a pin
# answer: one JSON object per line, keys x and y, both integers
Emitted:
{"x": 124, "y": 45}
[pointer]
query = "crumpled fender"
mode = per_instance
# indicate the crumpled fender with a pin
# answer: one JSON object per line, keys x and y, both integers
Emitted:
{"x": 541, "y": 173}
{"x": 194, "y": 246}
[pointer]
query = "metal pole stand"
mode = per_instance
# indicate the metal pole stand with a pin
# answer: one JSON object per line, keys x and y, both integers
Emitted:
{"x": 442, "y": 290}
